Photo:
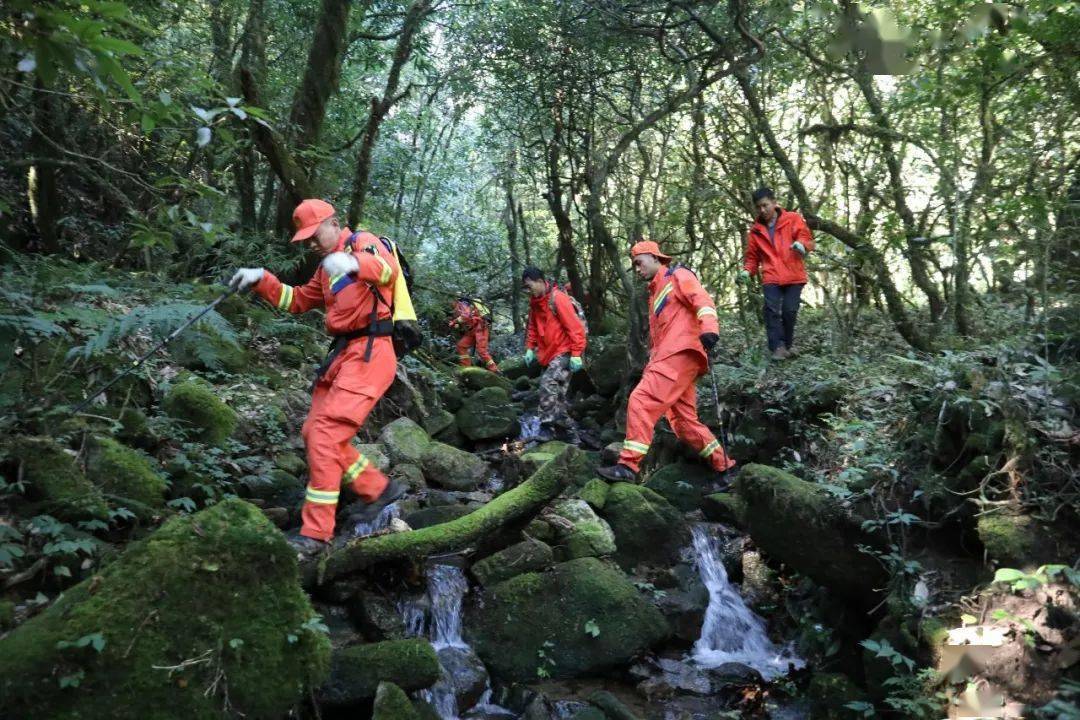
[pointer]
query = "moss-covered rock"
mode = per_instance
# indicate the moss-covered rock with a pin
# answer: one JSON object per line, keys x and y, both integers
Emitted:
{"x": 606, "y": 366}
{"x": 451, "y": 468}
{"x": 725, "y": 508}
{"x": 436, "y": 515}
{"x": 437, "y": 421}
{"x": 478, "y": 378}
{"x": 450, "y": 395}
{"x": 376, "y": 615}
{"x": 376, "y": 454}
{"x": 391, "y": 703}
{"x": 195, "y": 403}
{"x": 595, "y": 493}
{"x": 1007, "y": 537}
{"x": 291, "y": 463}
{"x": 488, "y": 415}
{"x": 514, "y": 368}
{"x": 276, "y": 487}
{"x": 546, "y": 620}
{"x": 291, "y": 356}
{"x": 209, "y": 597}
{"x": 405, "y": 441}
{"x": 135, "y": 429}
{"x": 56, "y": 483}
{"x": 681, "y": 484}
{"x": 801, "y": 524}
{"x": 355, "y": 672}
{"x": 411, "y": 475}
{"x": 127, "y": 475}
{"x": 537, "y": 456}
{"x": 7, "y": 614}
{"x": 530, "y": 555}
{"x": 647, "y": 527}
{"x": 581, "y": 532}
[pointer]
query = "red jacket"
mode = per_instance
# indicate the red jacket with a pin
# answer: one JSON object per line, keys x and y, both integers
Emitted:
{"x": 680, "y": 311}
{"x": 552, "y": 334}
{"x": 468, "y": 318}
{"x": 779, "y": 263}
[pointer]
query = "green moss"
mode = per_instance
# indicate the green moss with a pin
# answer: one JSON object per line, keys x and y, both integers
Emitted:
{"x": 584, "y": 534}
{"x": 478, "y": 378}
{"x": 391, "y": 703}
{"x": 7, "y": 614}
{"x": 724, "y": 507}
{"x": 291, "y": 356}
{"x": 405, "y": 441}
{"x": 538, "y": 621}
{"x": 56, "y": 481}
{"x": 1007, "y": 537}
{"x": 196, "y": 404}
{"x": 527, "y": 556}
{"x": 681, "y": 484}
{"x": 829, "y": 692}
{"x": 125, "y": 473}
{"x": 488, "y": 415}
{"x": 447, "y": 466}
{"x": 647, "y": 527}
{"x": 206, "y": 349}
{"x": 437, "y": 421}
{"x": 436, "y": 515}
{"x": 290, "y": 463}
{"x": 356, "y": 671}
{"x": 595, "y": 493}
{"x": 214, "y": 595}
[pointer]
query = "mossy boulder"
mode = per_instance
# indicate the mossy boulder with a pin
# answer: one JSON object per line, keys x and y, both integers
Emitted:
{"x": 800, "y": 523}
{"x": 1008, "y": 537}
{"x": 291, "y": 463}
{"x": 724, "y": 508}
{"x": 376, "y": 453}
{"x": 128, "y": 475}
{"x": 208, "y": 597}
{"x": 606, "y": 366}
{"x": 55, "y": 483}
{"x": 581, "y": 617}
{"x": 681, "y": 484}
{"x": 450, "y": 395}
{"x": 436, "y": 515}
{"x": 580, "y": 531}
{"x": 595, "y": 493}
{"x": 405, "y": 441}
{"x": 391, "y": 703}
{"x": 276, "y": 487}
{"x": 135, "y": 429}
{"x": 451, "y": 468}
{"x": 292, "y": 356}
{"x": 514, "y": 368}
{"x": 437, "y": 421}
{"x": 355, "y": 672}
{"x": 488, "y": 415}
{"x": 478, "y": 378}
{"x": 647, "y": 527}
{"x": 411, "y": 475}
{"x": 537, "y": 456}
{"x": 195, "y": 403}
{"x": 7, "y": 614}
{"x": 530, "y": 555}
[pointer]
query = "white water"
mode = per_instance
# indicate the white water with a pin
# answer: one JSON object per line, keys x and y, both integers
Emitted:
{"x": 731, "y": 631}
{"x": 530, "y": 427}
{"x": 381, "y": 522}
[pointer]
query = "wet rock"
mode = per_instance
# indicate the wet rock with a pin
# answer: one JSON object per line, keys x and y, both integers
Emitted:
{"x": 275, "y": 487}
{"x": 391, "y": 703}
{"x": 681, "y": 484}
{"x": 758, "y": 580}
{"x": 612, "y": 707}
{"x": 724, "y": 508}
{"x": 55, "y": 483}
{"x": 405, "y": 441}
{"x": 411, "y": 475}
{"x": 437, "y": 421}
{"x": 610, "y": 454}
{"x": 195, "y": 403}
{"x": 581, "y": 617}
{"x": 537, "y": 456}
{"x": 340, "y": 628}
{"x": 376, "y": 454}
{"x": 478, "y": 378}
{"x": 376, "y": 615}
{"x": 606, "y": 366}
{"x": 451, "y": 468}
{"x": 426, "y": 517}
{"x": 291, "y": 463}
{"x": 128, "y": 475}
{"x": 220, "y": 584}
{"x": 355, "y": 672}
{"x": 663, "y": 676}
{"x": 465, "y": 674}
{"x": 830, "y": 692}
{"x": 595, "y": 493}
{"x": 530, "y": 555}
{"x": 646, "y": 526}
{"x": 488, "y": 415}
{"x": 580, "y": 531}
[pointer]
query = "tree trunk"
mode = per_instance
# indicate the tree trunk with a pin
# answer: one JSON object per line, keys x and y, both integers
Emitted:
{"x": 414, "y": 20}
{"x": 510, "y": 221}
{"x": 43, "y": 188}
{"x": 253, "y": 57}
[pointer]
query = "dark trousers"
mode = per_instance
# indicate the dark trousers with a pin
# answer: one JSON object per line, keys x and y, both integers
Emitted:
{"x": 781, "y": 310}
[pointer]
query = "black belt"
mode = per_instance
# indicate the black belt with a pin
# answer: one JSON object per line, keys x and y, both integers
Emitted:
{"x": 381, "y": 328}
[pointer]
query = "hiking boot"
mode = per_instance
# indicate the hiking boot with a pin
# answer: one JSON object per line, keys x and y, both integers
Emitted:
{"x": 780, "y": 353}
{"x": 721, "y": 481}
{"x": 792, "y": 351}
{"x": 368, "y": 512}
{"x": 305, "y": 547}
{"x": 617, "y": 473}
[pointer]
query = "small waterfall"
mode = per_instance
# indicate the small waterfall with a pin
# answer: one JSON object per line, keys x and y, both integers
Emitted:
{"x": 731, "y": 631}
{"x": 530, "y": 427}
{"x": 446, "y": 589}
{"x": 381, "y": 522}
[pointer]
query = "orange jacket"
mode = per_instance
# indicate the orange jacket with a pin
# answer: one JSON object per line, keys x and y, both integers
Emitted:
{"x": 552, "y": 334}
{"x": 779, "y": 263}
{"x": 347, "y": 299}
{"x": 680, "y": 311}
{"x": 468, "y": 318}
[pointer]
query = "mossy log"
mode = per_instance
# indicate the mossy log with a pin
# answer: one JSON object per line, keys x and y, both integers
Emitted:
{"x": 516, "y": 504}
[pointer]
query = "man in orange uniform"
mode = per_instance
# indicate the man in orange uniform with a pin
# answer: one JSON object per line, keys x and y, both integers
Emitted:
{"x": 477, "y": 333}
{"x": 683, "y": 329}
{"x": 555, "y": 338}
{"x": 354, "y": 282}
{"x": 777, "y": 243}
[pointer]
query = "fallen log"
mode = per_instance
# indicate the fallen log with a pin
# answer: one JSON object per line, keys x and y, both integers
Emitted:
{"x": 518, "y": 503}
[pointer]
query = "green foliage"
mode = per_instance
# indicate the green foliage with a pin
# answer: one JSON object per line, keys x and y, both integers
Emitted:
{"x": 1018, "y": 581}
{"x": 160, "y": 320}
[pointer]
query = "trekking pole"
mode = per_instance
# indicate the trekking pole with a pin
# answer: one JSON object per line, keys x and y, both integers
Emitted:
{"x": 135, "y": 365}
{"x": 716, "y": 404}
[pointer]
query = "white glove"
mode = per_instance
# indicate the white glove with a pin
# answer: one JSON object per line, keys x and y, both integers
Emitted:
{"x": 799, "y": 248}
{"x": 245, "y": 278}
{"x": 340, "y": 263}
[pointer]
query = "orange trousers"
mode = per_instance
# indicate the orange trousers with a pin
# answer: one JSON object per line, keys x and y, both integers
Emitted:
{"x": 339, "y": 406}
{"x": 477, "y": 338}
{"x": 667, "y": 389}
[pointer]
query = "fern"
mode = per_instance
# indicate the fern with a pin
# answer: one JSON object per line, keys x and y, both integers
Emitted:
{"x": 96, "y": 289}
{"x": 159, "y": 319}
{"x": 30, "y": 326}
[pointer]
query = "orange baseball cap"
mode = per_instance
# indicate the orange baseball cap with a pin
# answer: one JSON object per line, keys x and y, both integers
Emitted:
{"x": 307, "y": 217}
{"x": 648, "y": 247}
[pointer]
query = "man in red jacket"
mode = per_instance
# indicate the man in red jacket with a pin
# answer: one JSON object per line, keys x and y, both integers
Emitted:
{"x": 354, "y": 281}
{"x": 683, "y": 328}
{"x": 470, "y": 317}
{"x": 554, "y": 337}
{"x": 777, "y": 243}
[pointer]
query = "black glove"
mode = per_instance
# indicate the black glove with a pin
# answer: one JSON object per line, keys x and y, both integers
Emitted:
{"x": 709, "y": 340}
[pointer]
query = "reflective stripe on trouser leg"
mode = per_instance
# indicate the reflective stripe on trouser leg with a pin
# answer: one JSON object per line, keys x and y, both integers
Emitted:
{"x": 661, "y": 386}
{"x": 690, "y": 430}
{"x": 464, "y": 349}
